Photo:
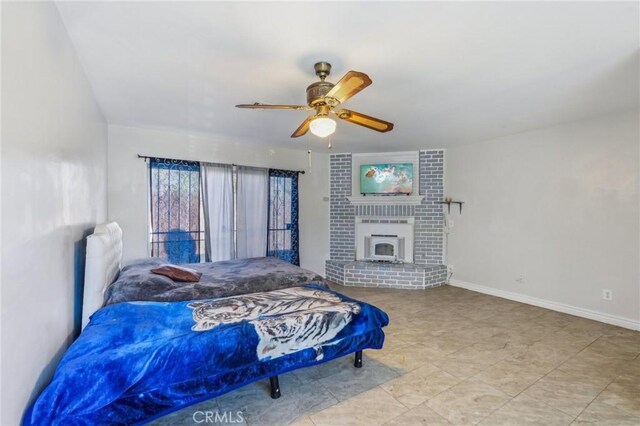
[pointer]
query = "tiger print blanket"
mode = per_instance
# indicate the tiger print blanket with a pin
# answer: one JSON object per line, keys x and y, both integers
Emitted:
{"x": 286, "y": 321}
{"x": 137, "y": 360}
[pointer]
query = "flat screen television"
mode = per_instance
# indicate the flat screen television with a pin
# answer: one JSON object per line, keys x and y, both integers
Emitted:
{"x": 386, "y": 179}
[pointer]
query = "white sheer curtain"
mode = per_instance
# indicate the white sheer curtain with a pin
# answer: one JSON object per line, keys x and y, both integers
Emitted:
{"x": 217, "y": 193}
{"x": 252, "y": 212}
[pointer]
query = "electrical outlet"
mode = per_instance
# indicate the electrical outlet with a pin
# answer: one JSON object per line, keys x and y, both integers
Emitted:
{"x": 607, "y": 295}
{"x": 520, "y": 279}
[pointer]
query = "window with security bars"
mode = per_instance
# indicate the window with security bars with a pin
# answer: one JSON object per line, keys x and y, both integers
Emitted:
{"x": 176, "y": 211}
{"x": 282, "y": 232}
{"x": 177, "y": 201}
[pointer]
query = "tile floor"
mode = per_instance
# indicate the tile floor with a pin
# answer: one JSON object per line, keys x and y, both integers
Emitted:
{"x": 453, "y": 356}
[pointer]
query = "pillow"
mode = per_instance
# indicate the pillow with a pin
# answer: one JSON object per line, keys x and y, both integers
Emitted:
{"x": 178, "y": 273}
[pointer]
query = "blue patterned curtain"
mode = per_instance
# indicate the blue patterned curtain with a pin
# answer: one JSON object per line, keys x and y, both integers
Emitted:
{"x": 175, "y": 210}
{"x": 282, "y": 232}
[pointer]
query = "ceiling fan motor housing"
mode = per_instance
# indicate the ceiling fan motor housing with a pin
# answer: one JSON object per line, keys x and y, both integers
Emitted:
{"x": 317, "y": 91}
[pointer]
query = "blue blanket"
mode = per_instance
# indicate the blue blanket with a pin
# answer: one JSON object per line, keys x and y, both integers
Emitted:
{"x": 136, "y": 361}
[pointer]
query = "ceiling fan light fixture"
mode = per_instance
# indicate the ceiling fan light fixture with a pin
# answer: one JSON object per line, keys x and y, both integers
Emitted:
{"x": 322, "y": 126}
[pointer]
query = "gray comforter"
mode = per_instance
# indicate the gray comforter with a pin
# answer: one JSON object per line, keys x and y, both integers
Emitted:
{"x": 219, "y": 279}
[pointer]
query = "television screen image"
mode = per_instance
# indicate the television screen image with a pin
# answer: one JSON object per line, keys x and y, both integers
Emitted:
{"x": 394, "y": 178}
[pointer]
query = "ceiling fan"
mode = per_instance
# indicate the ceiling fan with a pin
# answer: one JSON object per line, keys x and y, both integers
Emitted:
{"x": 324, "y": 97}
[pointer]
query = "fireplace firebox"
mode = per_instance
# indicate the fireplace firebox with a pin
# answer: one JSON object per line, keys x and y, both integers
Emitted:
{"x": 384, "y": 248}
{"x": 384, "y": 239}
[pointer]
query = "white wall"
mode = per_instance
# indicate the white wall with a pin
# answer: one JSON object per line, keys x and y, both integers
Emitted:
{"x": 557, "y": 205}
{"x": 128, "y": 183}
{"x": 54, "y": 189}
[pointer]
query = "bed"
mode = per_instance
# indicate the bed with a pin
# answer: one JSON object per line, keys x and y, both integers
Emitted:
{"x": 219, "y": 279}
{"x": 139, "y": 360}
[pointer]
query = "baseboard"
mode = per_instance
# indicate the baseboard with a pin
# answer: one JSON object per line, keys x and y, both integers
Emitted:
{"x": 554, "y": 306}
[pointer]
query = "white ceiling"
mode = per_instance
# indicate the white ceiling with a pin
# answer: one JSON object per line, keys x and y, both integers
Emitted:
{"x": 444, "y": 73}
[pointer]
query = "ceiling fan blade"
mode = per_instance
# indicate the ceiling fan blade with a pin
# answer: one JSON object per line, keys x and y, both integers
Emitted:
{"x": 364, "y": 120}
{"x": 349, "y": 85}
{"x": 304, "y": 127}
{"x": 258, "y": 105}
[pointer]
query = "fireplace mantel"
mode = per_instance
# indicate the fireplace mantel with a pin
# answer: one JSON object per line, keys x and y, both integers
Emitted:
{"x": 378, "y": 200}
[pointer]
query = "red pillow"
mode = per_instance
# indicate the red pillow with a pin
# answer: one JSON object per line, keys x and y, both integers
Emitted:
{"x": 178, "y": 273}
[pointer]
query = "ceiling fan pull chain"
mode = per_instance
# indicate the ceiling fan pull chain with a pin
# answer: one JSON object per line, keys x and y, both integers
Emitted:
{"x": 308, "y": 153}
{"x": 330, "y": 141}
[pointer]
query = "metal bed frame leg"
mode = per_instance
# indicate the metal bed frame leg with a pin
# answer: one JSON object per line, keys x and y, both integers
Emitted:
{"x": 275, "y": 387}
{"x": 358, "y": 361}
{"x": 275, "y": 383}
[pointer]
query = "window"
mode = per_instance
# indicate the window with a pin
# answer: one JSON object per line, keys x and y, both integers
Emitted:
{"x": 175, "y": 210}
{"x": 282, "y": 232}
{"x": 212, "y": 212}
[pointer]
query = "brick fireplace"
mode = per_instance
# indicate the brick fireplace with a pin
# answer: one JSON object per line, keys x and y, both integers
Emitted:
{"x": 347, "y": 264}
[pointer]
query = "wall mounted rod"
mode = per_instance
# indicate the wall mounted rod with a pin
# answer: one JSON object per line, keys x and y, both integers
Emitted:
{"x": 146, "y": 157}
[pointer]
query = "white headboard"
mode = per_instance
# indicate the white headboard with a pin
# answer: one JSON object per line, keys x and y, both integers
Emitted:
{"x": 104, "y": 256}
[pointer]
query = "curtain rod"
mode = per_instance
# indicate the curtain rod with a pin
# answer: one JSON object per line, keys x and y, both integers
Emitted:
{"x": 146, "y": 157}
